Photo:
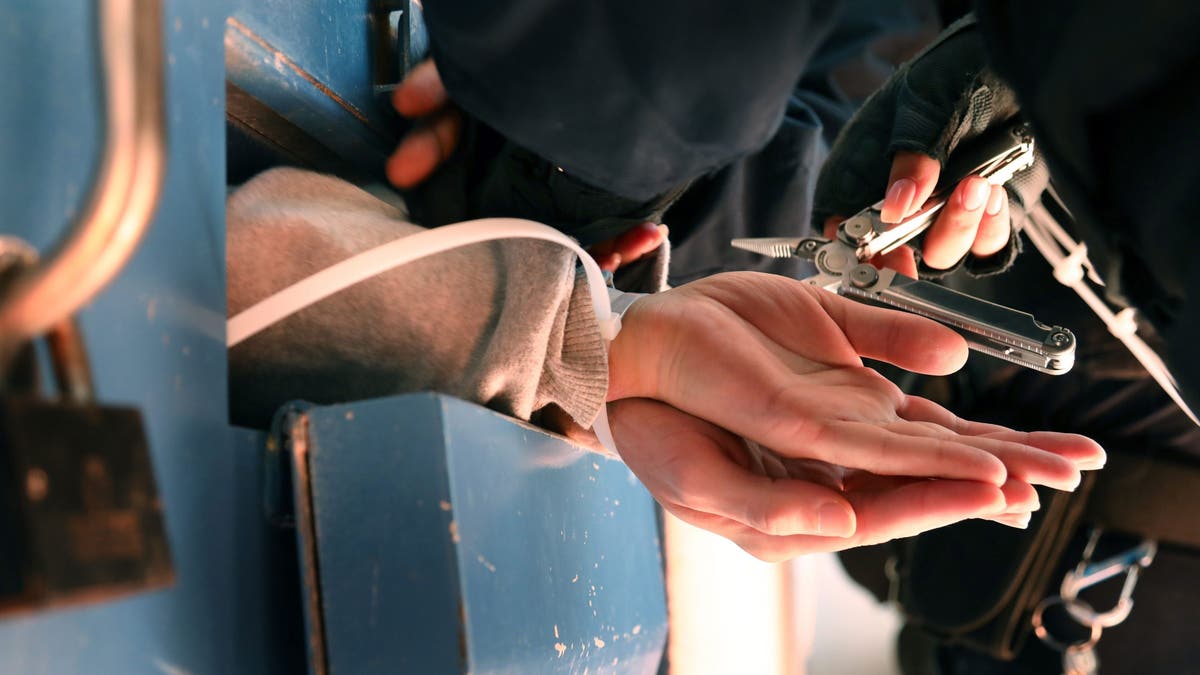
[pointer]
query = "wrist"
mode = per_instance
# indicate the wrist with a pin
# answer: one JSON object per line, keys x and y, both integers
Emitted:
{"x": 623, "y": 351}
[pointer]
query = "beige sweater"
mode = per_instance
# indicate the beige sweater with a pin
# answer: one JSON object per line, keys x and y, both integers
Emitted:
{"x": 507, "y": 324}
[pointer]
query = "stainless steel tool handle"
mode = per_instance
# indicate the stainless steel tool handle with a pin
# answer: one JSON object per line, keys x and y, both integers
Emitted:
{"x": 993, "y": 329}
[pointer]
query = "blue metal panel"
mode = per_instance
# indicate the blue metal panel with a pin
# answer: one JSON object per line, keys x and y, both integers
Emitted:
{"x": 453, "y": 539}
{"x": 156, "y": 341}
{"x": 310, "y": 63}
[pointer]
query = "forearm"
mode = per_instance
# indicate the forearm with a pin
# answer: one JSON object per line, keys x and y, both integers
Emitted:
{"x": 635, "y": 99}
{"x": 505, "y": 324}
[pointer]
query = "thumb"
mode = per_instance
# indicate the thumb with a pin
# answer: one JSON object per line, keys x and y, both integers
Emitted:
{"x": 904, "y": 340}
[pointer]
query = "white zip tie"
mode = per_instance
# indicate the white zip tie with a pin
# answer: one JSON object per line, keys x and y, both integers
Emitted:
{"x": 1042, "y": 229}
{"x": 1069, "y": 270}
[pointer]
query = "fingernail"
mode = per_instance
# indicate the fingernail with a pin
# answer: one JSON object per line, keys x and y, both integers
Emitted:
{"x": 898, "y": 200}
{"x": 995, "y": 201}
{"x": 835, "y": 520}
{"x": 1093, "y": 464}
{"x": 975, "y": 193}
{"x": 1020, "y": 523}
{"x": 1019, "y": 509}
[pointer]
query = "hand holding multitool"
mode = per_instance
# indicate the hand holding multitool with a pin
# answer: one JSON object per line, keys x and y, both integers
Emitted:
{"x": 843, "y": 267}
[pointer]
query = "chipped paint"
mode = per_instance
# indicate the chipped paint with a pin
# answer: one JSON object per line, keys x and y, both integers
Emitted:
{"x": 283, "y": 63}
{"x": 349, "y": 415}
{"x": 575, "y": 579}
{"x": 454, "y": 533}
{"x": 637, "y": 629}
{"x": 444, "y": 505}
{"x": 560, "y": 648}
{"x": 598, "y": 642}
{"x": 555, "y": 631}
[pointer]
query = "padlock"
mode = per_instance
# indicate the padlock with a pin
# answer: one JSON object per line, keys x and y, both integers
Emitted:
{"x": 80, "y": 515}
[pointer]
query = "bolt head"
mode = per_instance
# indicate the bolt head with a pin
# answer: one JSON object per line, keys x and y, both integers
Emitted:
{"x": 863, "y": 276}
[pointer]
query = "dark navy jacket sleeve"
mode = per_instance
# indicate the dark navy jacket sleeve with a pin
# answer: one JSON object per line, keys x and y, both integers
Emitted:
{"x": 632, "y": 97}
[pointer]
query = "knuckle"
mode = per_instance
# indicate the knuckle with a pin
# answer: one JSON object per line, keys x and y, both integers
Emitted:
{"x": 771, "y": 517}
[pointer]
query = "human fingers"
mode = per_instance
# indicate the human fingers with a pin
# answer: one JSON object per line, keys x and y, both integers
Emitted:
{"x": 829, "y": 230}
{"x": 628, "y": 246}
{"x": 686, "y": 462}
{"x": 904, "y": 511}
{"x": 912, "y": 180}
{"x": 995, "y": 229}
{"x": 1019, "y": 497}
{"x": 605, "y": 255}
{"x": 1084, "y": 452}
{"x": 1024, "y": 462}
{"x": 421, "y": 93}
{"x": 424, "y": 149}
{"x": 882, "y": 449}
{"x": 608, "y": 262}
{"x": 1021, "y": 500}
{"x": 957, "y": 224}
{"x": 905, "y": 340}
{"x": 902, "y": 259}
{"x": 639, "y": 240}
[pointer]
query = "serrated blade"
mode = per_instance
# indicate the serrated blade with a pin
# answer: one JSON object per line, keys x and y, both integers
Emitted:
{"x": 773, "y": 247}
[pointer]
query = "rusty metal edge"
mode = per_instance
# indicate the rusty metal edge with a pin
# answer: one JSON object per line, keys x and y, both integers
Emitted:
{"x": 306, "y": 542}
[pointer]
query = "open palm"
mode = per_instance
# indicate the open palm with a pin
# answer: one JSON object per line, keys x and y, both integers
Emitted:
{"x": 701, "y": 370}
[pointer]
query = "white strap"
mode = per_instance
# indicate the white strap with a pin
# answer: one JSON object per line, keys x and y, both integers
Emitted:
{"x": 1069, "y": 260}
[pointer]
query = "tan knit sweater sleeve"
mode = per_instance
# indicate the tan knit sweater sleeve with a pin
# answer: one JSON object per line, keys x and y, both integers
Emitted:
{"x": 505, "y": 324}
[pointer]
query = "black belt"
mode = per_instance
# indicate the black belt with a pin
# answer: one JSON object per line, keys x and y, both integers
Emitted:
{"x": 1151, "y": 497}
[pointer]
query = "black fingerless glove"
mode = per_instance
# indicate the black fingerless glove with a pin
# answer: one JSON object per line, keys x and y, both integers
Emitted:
{"x": 942, "y": 97}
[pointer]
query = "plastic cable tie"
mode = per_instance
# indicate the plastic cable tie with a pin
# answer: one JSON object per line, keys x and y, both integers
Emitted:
{"x": 610, "y": 328}
{"x": 1123, "y": 324}
{"x": 1069, "y": 271}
